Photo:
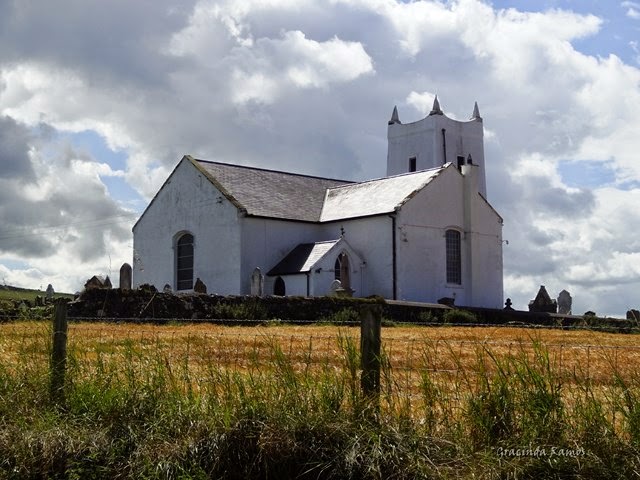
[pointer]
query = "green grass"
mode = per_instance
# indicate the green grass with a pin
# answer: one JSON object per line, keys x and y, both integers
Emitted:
{"x": 15, "y": 293}
{"x": 136, "y": 411}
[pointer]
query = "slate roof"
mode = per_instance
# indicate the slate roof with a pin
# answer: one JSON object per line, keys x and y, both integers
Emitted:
{"x": 270, "y": 193}
{"x": 291, "y": 196}
{"x": 302, "y": 258}
{"x": 374, "y": 197}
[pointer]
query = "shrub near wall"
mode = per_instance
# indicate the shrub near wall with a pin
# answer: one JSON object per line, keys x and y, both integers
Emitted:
{"x": 146, "y": 304}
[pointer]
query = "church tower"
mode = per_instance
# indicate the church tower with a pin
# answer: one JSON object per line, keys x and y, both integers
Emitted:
{"x": 434, "y": 141}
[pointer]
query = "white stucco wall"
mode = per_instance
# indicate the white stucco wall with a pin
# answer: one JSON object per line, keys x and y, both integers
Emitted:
{"x": 229, "y": 246}
{"x": 484, "y": 247}
{"x": 421, "y": 245}
{"x": 266, "y": 241}
{"x": 421, "y": 248}
{"x": 293, "y": 285}
{"x": 370, "y": 237}
{"x": 188, "y": 202}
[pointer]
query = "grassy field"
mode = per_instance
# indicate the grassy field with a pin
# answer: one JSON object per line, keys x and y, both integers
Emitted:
{"x": 15, "y": 293}
{"x": 208, "y": 401}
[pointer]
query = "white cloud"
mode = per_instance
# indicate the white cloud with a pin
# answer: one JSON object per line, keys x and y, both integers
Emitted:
{"x": 633, "y": 13}
{"x": 271, "y": 67}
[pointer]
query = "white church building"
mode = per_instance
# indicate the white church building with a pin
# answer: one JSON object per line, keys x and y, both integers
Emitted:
{"x": 423, "y": 232}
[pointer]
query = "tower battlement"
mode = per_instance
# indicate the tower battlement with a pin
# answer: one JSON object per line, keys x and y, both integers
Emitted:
{"x": 434, "y": 141}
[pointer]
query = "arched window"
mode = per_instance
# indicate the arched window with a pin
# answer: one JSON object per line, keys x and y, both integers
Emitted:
{"x": 279, "y": 287}
{"x": 341, "y": 269}
{"x": 184, "y": 262}
{"x": 454, "y": 259}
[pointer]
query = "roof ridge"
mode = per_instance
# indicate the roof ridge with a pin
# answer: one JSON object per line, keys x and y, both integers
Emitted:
{"x": 442, "y": 167}
{"x": 275, "y": 171}
{"x": 326, "y": 241}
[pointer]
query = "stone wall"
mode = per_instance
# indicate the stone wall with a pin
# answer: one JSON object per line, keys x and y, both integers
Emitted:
{"x": 149, "y": 305}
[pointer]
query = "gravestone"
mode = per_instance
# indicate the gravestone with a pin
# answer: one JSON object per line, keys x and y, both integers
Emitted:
{"x": 97, "y": 281}
{"x": 633, "y": 314}
{"x": 564, "y": 302}
{"x": 50, "y": 291}
{"x": 448, "y": 301}
{"x": 167, "y": 288}
{"x": 334, "y": 287}
{"x": 125, "y": 276}
{"x": 507, "y": 304}
{"x": 543, "y": 303}
{"x": 199, "y": 286}
{"x": 23, "y": 307}
{"x": 257, "y": 283}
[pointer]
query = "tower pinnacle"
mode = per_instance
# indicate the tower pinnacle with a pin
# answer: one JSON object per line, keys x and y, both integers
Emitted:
{"x": 436, "y": 110}
{"x": 394, "y": 116}
{"x": 476, "y": 112}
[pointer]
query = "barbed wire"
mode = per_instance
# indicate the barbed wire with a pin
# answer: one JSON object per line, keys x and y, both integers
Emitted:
{"x": 424, "y": 341}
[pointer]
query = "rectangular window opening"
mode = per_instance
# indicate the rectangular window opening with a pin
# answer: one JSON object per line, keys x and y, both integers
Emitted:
{"x": 454, "y": 257}
{"x": 412, "y": 164}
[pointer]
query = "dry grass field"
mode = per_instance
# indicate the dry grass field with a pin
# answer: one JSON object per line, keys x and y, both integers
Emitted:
{"x": 573, "y": 354}
{"x": 283, "y": 401}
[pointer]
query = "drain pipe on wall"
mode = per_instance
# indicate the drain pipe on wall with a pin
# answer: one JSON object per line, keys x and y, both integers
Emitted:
{"x": 444, "y": 146}
{"x": 393, "y": 256}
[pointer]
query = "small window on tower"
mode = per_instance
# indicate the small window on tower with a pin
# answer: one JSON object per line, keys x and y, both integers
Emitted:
{"x": 412, "y": 164}
{"x": 461, "y": 161}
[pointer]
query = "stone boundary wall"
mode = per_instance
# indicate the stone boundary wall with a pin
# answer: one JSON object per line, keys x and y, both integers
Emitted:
{"x": 149, "y": 305}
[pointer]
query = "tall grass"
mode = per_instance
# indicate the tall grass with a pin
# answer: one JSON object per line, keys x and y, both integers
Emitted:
{"x": 137, "y": 409}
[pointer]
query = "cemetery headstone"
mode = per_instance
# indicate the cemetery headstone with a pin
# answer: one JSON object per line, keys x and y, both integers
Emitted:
{"x": 257, "y": 282}
{"x": 564, "y": 302}
{"x": 334, "y": 287}
{"x": 448, "y": 301}
{"x": 125, "y": 277}
{"x": 199, "y": 286}
{"x": 97, "y": 281}
{"x": 543, "y": 303}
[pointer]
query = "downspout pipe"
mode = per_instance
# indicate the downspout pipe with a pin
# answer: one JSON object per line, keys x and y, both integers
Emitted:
{"x": 308, "y": 279}
{"x": 394, "y": 258}
{"x": 444, "y": 146}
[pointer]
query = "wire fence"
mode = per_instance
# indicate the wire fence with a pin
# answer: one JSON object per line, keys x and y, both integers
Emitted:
{"x": 387, "y": 322}
{"x": 413, "y": 349}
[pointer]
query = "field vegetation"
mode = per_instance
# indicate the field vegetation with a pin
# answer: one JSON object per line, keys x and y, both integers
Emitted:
{"x": 15, "y": 293}
{"x": 279, "y": 401}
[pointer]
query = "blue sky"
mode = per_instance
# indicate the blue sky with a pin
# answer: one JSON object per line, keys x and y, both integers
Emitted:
{"x": 619, "y": 30}
{"x": 100, "y": 100}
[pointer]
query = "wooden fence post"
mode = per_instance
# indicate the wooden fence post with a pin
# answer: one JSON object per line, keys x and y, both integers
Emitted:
{"x": 370, "y": 345}
{"x": 59, "y": 352}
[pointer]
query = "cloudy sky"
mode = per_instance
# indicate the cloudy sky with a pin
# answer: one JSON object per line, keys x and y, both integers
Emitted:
{"x": 99, "y": 100}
